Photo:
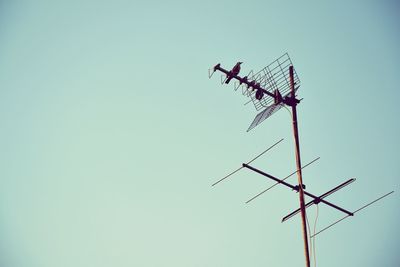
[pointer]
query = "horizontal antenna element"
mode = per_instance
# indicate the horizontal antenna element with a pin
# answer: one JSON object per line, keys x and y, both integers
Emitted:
{"x": 296, "y": 188}
{"x": 262, "y": 192}
{"x": 345, "y": 217}
{"x": 316, "y": 201}
{"x": 235, "y": 171}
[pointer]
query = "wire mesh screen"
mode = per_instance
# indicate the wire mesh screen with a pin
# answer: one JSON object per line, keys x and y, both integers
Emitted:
{"x": 265, "y": 114}
{"x": 272, "y": 77}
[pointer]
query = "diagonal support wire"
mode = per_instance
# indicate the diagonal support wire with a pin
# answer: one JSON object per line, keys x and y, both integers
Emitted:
{"x": 290, "y": 175}
{"x": 235, "y": 171}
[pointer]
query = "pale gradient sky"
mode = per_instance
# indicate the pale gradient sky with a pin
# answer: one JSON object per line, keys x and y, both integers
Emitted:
{"x": 112, "y": 132}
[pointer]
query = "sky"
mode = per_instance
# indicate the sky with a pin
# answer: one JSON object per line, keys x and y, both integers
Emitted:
{"x": 112, "y": 133}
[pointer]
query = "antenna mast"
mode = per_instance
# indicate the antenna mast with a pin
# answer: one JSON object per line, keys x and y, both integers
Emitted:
{"x": 298, "y": 164}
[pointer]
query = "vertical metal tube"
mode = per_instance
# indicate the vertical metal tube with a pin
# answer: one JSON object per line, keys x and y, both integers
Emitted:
{"x": 299, "y": 174}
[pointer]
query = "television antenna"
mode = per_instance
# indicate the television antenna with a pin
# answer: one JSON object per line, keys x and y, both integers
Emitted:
{"x": 270, "y": 89}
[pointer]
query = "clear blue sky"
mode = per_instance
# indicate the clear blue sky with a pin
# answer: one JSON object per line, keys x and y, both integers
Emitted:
{"x": 112, "y": 133}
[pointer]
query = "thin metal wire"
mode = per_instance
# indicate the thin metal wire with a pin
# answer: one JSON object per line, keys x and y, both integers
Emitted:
{"x": 247, "y": 103}
{"x": 262, "y": 192}
{"x": 235, "y": 171}
{"x": 264, "y": 151}
{"x": 232, "y": 173}
{"x": 313, "y": 238}
{"x": 363, "y": 207}
{"x": 309, "y": 230}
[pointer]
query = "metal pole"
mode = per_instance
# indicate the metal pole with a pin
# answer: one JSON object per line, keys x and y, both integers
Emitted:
{"x": 299, "y": 175}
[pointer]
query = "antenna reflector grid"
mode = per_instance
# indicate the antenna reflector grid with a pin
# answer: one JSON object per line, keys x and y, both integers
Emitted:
{"x": 273, "y": 77}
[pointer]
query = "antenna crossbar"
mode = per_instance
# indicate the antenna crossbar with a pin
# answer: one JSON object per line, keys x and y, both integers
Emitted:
{"x": 316, "y": 201}
{"x": 296, "y": 188}
{"x": 290, "y": 175}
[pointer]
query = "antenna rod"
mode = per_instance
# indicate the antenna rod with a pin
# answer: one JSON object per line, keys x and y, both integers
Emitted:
{"x": 319, "y": 199}
{"x": 290, "y": 175}
{"x": 296, "y": 188}
{"x": 298, "y": 163}
{"x": 345, "y": 217}
{"x": 235, "y": 171}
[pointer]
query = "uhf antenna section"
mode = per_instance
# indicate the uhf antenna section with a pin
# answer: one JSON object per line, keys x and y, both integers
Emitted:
{"x": 269, "y": 89}
{"x": 275, "y": 77}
